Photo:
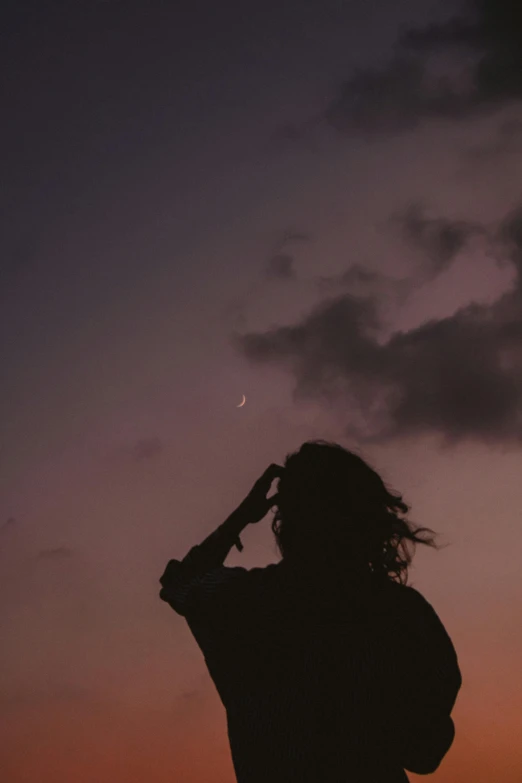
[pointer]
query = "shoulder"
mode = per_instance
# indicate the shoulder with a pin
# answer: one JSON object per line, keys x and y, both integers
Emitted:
{"x": 416, "y": 605}
{"x": 410, "y": 611}
{"x": 423, "y": 627}
{"x": 423, "y": 610}
{"x": 408, "y": 597}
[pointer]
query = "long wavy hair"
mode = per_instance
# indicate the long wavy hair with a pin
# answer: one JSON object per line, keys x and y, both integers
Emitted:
{"x": 329, "y": 498}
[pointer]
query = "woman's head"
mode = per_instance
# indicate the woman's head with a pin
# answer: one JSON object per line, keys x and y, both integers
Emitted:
{"x": 331, "y": 502}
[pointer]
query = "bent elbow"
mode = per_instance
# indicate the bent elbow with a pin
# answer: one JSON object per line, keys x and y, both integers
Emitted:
{"x": 423, "y": 766}
{"x": 427, "y": 754}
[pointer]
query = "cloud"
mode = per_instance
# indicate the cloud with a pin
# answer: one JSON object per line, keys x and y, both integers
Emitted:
{"x": 148, "y": 448}
{"x": 436, "y": 240}
{"x": 439, "y": 239}
{"x": 506, "y": 141}
{"x": 467, "y": 66}
{"x": 360, "y": 281}
{"x": 459, "y": 377}
{"x": 355, "y": 275}
{"x": 280, "y": 265}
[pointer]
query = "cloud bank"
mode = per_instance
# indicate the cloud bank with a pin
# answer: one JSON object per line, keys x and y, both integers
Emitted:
{"x": 459, "y": 377}
{"x": 468, "y": 66}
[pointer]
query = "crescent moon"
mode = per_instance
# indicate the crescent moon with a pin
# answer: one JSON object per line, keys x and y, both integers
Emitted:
{"x": 242, "y": 402}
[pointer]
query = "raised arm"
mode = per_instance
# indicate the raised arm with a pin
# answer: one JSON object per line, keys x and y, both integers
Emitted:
{"x": 183, "y": 579}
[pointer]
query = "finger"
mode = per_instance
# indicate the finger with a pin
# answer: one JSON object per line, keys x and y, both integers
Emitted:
{"x": 272, "y": 472}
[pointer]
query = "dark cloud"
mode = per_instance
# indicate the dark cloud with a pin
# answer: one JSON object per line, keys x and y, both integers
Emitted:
{"x": 281, "y": 263}
{"x": 389, "y": 100}
{"x": 471, "y": 64}
{"x": 439, "y": 239}
{"x": 355, "y": 275}
{"x": 281, "y": 266}
{"x": 308, "y": 348}
{"x": 148, "y": 448}
{"x": 506, "y": 141}
{"x": 58, "y": 553}
{"x": 361, "y": 281}
{"x": 460, "y": 377}
{"x": 456, "y": 31}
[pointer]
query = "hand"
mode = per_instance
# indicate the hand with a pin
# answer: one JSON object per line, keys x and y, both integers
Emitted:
{"x": 256, "y": 504}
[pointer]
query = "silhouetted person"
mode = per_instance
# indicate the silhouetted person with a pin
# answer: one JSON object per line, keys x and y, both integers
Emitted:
{"x": 330, "y": 667}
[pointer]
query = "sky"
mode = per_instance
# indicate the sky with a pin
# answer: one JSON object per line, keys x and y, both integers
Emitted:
{"x": 312, "y": 203}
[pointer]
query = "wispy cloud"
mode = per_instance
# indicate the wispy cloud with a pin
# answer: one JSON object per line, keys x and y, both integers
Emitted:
{"x": 506, "y": 141}
{"x": 439, "y": 239}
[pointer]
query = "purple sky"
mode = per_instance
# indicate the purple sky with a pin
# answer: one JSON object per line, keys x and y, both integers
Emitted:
{"x": 315, "y": 204}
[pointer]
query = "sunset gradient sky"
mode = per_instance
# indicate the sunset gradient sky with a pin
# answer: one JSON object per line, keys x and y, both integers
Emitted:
{"x": 317, "y": 204}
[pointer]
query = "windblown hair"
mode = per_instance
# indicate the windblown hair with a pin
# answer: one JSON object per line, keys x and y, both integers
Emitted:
{"x": 330, "y": 498}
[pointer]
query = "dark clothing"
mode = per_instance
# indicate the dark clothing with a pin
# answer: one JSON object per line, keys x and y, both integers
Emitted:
{"x": 323, "y": 677}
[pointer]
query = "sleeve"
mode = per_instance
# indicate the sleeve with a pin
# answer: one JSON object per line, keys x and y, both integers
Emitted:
{"x": 431, "y": 684}
{"x": 189, "y": 590}
{"x": 193, "y": 583}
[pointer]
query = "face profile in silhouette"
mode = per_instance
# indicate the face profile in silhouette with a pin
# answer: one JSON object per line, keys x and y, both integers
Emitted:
{"x": 330, "y": 667}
